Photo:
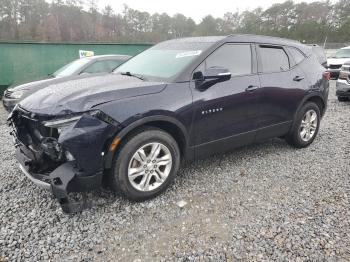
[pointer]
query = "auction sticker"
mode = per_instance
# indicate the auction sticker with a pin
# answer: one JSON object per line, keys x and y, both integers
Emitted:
{"x": 188, "y": 53}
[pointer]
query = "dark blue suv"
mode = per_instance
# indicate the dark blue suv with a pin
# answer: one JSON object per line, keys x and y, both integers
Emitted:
{"x": 179, "y": 100}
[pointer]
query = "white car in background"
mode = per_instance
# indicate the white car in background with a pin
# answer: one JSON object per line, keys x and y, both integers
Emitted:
{"x": 335, "y": 63}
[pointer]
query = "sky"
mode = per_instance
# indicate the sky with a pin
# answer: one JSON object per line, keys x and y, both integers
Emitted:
{"x": 191, "y": 8}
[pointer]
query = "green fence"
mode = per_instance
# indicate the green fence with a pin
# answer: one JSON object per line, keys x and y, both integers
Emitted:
{"x": 24, "y": 62}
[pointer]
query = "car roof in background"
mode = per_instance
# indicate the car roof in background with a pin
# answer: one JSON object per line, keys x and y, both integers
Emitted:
{"x": 108, "y": 56}
{"x": 347, "y": 47}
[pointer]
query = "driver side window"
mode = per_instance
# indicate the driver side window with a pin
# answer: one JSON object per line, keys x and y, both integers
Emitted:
{"x": 237, "y": 58}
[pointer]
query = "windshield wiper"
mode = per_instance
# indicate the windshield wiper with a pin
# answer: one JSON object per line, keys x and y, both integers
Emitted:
{"x": 133, "y": 75}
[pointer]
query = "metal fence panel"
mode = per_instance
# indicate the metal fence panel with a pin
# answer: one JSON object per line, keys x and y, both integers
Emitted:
{"x": 24, "y": 62}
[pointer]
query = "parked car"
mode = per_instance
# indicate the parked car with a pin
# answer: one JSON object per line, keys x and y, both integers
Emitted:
{"x": 335, "y": 63}
{"x": 180, "y": 100}
{"x": 320, "y": 54}
{"x": 83, "y": 66}
{"x": 343, "y": 83}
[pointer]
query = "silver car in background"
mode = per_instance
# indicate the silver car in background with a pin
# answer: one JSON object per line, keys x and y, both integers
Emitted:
{"x": 335, "y": 63}
{"x": 343, "y": 83}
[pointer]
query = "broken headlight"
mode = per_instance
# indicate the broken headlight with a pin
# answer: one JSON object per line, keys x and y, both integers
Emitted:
{"x": 61, "y": 123}
{"x": 64, "y": 122}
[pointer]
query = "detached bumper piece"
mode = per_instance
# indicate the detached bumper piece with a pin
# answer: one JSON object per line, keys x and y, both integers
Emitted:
{"x": 62, "y": 161}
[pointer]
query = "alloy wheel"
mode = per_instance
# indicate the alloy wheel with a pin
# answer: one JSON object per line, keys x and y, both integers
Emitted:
{"x": 150, "y": 166}
{"x": 308, "y": 125}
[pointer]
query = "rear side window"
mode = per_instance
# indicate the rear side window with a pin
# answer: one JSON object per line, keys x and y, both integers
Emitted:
{"x": 273, "y": 59}
{"x": 237, "y": 58}
{"x": 296, "y": 54}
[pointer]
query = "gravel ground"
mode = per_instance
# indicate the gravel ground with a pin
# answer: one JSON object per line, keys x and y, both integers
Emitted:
{"x": 262, "y": 202}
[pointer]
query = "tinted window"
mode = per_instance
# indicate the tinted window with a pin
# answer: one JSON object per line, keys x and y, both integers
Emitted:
{"x": 273, "y": 59}
{"x": 236, "y": 58}
{"x": 297, "y": 55}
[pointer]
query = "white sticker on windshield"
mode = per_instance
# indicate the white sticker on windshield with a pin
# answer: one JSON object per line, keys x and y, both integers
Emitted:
{"x": 188, "y": 53}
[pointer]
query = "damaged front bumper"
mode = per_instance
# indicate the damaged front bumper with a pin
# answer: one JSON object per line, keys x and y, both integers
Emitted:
{"x": 62, "y": 161}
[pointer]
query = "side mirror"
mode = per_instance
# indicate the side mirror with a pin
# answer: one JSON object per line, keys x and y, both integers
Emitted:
{"x": 210, "y": 77}
{"x": 217, "y": 73}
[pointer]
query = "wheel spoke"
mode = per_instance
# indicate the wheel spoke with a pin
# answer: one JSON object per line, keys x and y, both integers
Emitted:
{"x": 308, "y": 136}
{"x": 136, "y": 172}
{"x": 144, "y": 182}
{"x": 160, "y": 175}
{"x": 155, "y": 150}
{"x": 140, "y": 156}
{"x": 308, "y": 117}
{"x": 313, "y": 117}
{"x": 163, "y": 161}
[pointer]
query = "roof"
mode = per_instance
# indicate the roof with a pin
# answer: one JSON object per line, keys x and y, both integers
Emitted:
{"x": 347, "y": 47}
{"x": 237, "y": 38}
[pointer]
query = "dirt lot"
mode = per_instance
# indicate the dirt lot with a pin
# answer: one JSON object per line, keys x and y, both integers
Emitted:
{"x": 262, "y": 202}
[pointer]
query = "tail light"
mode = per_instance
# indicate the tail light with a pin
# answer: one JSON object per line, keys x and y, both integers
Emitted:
{"x": 326, "y": 75}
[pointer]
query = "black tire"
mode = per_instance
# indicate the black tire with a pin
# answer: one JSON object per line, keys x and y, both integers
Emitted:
{"x": 118, "y": 177}
{"x": 293, "y": 137}
{"x": 343, "y": 99}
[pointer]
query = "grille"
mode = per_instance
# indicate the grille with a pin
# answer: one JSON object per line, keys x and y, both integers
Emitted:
{"x": 334, "y": 66}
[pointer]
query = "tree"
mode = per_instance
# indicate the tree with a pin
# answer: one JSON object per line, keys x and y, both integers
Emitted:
{"x": 81, "y": 20}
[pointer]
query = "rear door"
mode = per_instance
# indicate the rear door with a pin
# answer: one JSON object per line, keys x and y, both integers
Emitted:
{"x": 282, "y": 89}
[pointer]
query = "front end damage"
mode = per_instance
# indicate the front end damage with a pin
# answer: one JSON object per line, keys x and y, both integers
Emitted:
{"x": 63, "y": 154}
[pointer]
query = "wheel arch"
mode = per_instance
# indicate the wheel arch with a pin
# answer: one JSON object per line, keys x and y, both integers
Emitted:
{"x": 317, "y": 99}
{"x": 169, "y": 124}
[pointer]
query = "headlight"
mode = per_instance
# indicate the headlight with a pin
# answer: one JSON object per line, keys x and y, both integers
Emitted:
{"x": 64, "y": 122}
{"x": 16, "y": 94}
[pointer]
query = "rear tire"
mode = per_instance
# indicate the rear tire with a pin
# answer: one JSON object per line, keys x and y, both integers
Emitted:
{"x": 305, "y": 127}
{"x": 145, "y": 164}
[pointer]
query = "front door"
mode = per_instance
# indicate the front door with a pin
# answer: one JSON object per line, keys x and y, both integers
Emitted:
{"x": 226, "y": 112}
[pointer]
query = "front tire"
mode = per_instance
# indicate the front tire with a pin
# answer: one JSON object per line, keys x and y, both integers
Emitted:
{"x": 305, "y": 127}
{"x": 145, "y": 165}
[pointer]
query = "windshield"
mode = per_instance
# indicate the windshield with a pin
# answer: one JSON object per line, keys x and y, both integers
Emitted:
{"x": 71, "y": 68}
{"x": 164, "y": 60}
{"x": 343, "y": 53}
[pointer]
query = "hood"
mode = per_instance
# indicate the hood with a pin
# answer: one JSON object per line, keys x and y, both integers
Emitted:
{"x": 337, "y": 61}
{"x": 82, "y": 94}
{"x": 32, "y": 87}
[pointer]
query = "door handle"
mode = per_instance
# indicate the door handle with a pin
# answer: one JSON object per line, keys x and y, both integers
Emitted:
{"x": 298, "y": 78}
{"x": 251, "y": 88}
